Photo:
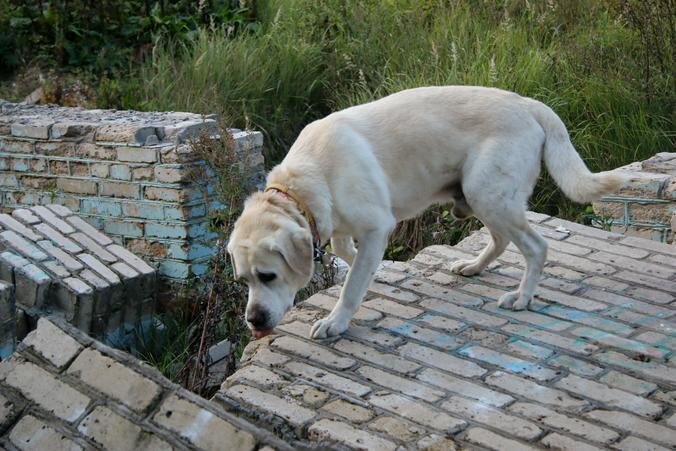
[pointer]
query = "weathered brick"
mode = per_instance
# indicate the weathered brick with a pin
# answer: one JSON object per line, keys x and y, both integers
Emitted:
{"x": 658, "y": 339}
{"x": 46, "y": 391}
{"x": 605, "y": 338}
{"x": 528, "y": 350}
{"x": 99, "y": 267}
{"x": 462, "y": 313}
{"x": 112, "y": 431}
{"x": 201, "y": 427}
{"x": 576, "y": 366}
{"x": 58, "y": 167}
{"x": 526, "y": 316}
{"x": 610, "y": 396}
{"x": 310, "y": 396}
{"x": 25, "y": 247}
{"x": 52, "y": 343}
{"x": 79, "y": 169}
{"x": 16, "y": 146}
{"x": 618, "y": 249}
{"x": 392, "y": 308}
{"x": 644, "y": 279}
{"x": 119, "y": 189}
{"x": 256, "y": 375}
{"x": 637, "y": 444}
{"x": 659, "y": 324}
{"x": 648, "y": 245}
{"x": 290, "y": 411}
{"x": 509, "y": 363}
{"x": 417, "y": 411}
{"x": 400, "y": 384}
{"x": 14, "y": 225}
{"x": 582, "y": 229}
{"x": 629, "y": 303}
{"x": 389, "y": 361}
{"x": 124, "y": 228}
{"x": 397, "y": 428}
{"x": 441, "y": 292}
{"x": 120, "y": 172}
{"x": 92, "y": 246}
{"x": 441, "y": 322}
{"x": 142, "y": 174}
{"x": 56, "y": 269}
{"x": 325, "y": 302}
{"x": 314, "y": 352}
{"x": 490, "y": 440}
{"x": 658, "y": 297}
{"x": 90, "y": 231}
{"x": 69, "y": 262}
{"x": 173, "y": 174}
{"x": 58, "y": 238}
{"x": 115, "y": 380}
{"x": 393, "y": 292}
{"x": 441, "y": 360}
{"x": 77, "y": 186}
{"x": 633, "y": 265}
{"x": 95, "y": 151}
{"x": 465, "y": 388}
{"x": 648, "y": 369}
{"x": 31, "y": 433}
{"x": 587, "y": 318}
{"x": 556, "y": 340}
{"x": 25, "y": 216}
{"x": 100, "y": 170}
{"x": 558, "y": 441}
{"x": 491, "y": 417}
{"x": 628, "y": 383}
{"x": 169, "y": 194}
{"x": 556, "y": 420}
{"x": 49, "y": 217}
{"x": 635, "y": 425}
{"x": 531, "y": 390}
{"x": 348, "y": 410}
{"x": 370, "y": 335}
{"x": 345, "y": 434}
{"x": 9, "y": 180}
{"x": 428, "y": 336}
{"x": 328, "y": 379}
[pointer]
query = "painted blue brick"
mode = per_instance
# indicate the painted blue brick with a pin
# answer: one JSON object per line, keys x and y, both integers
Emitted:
{"x": 166, "y": 231}
{"x": 174, "y": 269}
{"x": 120, "y": 172}
{"x": 94, "y": 221}
{"x": 125, "y": 228}
{"x": 199, "y": 269}
{"x": 178, "y": 213}
{"x": 197, "y": 230}
{"x": 6, "y": 349}
{"x": 101, "y": 207}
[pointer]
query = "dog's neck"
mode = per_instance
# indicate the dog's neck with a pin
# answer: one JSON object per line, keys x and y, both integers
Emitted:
{"x": 284, "y": 190}
{"x": 313, "y": 193}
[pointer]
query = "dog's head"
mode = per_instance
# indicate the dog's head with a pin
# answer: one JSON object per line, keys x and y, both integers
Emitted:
{"x": 271, "y": 251}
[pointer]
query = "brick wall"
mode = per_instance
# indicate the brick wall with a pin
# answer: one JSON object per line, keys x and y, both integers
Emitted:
{"x": 126, "y": 173}
{"x": 646, "y": 203}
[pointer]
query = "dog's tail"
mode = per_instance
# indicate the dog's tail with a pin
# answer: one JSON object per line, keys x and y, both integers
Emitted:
{"x": 564, "y": 163}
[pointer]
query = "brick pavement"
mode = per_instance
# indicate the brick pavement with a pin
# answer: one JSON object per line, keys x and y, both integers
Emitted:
{"x": 63, "y": 390}
{"x": 430, "y": 362}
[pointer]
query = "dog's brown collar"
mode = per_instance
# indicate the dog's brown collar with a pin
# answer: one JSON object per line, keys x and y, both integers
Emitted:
{"x": 316, "y": 240}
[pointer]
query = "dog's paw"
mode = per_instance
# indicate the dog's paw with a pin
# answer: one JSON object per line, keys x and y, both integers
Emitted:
{"x": 513, "y": 301}
{"x": 328, "y": 327}
{"x": 466, "y": 267}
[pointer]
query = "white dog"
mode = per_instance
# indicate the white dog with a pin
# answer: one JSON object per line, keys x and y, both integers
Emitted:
{"x": 354, "y": 174}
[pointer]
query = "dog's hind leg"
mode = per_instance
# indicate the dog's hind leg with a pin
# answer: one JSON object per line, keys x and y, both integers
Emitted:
{"x": 343, "y": 247}
{"x": 534, "y": 249}
{"x": 488, "y": 254}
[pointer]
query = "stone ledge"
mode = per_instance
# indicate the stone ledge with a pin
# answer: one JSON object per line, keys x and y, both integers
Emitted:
{"x": 41, "y": 402}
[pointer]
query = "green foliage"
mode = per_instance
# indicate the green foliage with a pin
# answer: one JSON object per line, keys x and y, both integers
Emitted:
{"x": 606, "y": 67}
{"x": 103, "y": 36}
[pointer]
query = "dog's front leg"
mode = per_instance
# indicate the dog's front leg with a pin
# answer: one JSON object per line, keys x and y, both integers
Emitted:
{"x": 370, "y": 254}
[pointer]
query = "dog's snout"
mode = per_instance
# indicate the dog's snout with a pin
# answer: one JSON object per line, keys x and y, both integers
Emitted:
{"x": 258, "y": 317}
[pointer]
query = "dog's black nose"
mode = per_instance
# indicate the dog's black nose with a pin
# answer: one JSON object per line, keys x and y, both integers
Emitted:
{"x": 258, "y": 318}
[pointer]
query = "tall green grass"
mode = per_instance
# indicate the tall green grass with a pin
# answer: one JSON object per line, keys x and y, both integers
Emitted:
{"x": 606, "y": 67}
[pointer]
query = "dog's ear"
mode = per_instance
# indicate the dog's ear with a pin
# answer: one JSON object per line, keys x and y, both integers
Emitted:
{"x": 296, "y": 248}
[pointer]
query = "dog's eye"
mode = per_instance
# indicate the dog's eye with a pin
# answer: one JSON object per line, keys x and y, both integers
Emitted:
{"x": 266, "y": 277}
